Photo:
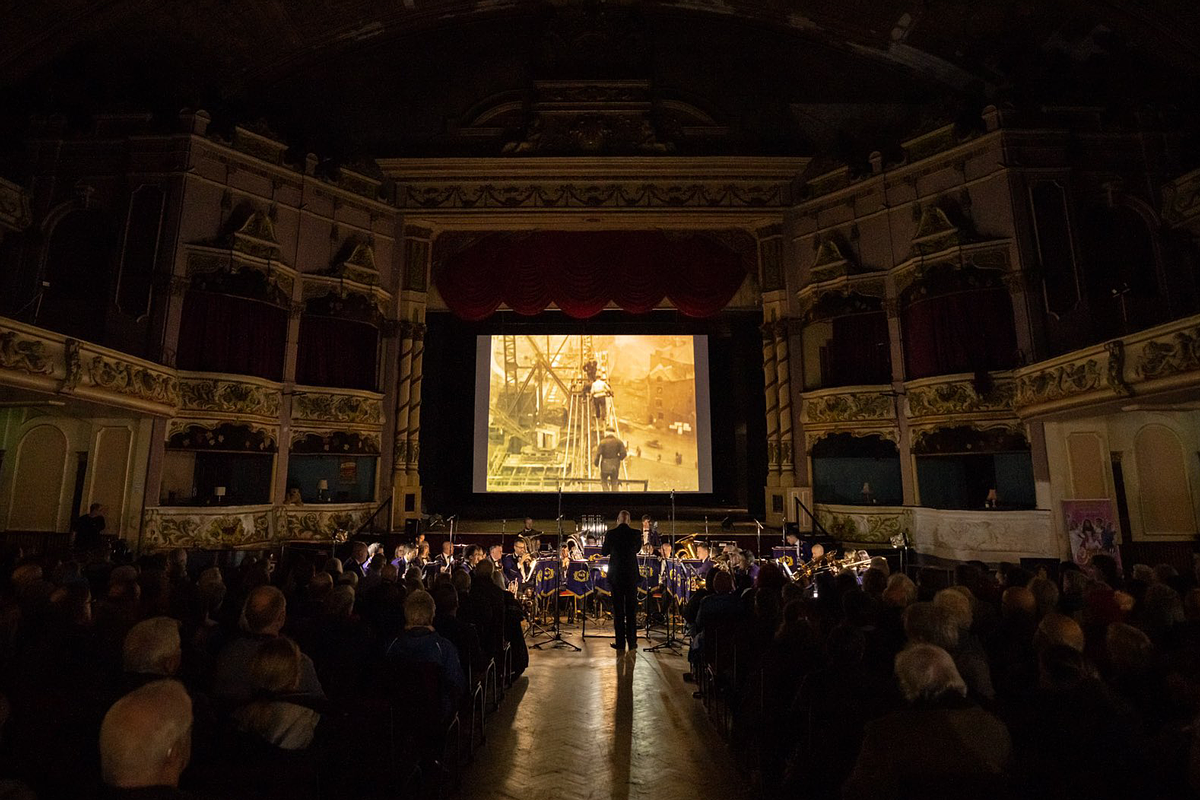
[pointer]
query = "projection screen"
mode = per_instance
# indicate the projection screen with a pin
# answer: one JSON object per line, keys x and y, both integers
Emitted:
{"x": 592, "y": 413}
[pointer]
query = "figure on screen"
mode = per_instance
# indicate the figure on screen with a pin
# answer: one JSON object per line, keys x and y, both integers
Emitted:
{"x": 601, "y": 391}
{"x": 610, "y": 452}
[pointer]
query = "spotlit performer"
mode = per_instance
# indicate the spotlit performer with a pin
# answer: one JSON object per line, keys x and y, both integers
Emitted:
{"x": 610, "y": 452}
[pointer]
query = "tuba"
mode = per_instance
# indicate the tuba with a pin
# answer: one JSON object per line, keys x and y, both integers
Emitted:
{"x": 686, "y": 547}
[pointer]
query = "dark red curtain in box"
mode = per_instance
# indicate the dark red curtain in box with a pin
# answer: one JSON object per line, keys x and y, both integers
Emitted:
{"x": 225, "y": 333}
{"x": 337, "y": 352}
{"x": 582, "y": 272}
{"x": 959, "y": 332}
{"x": 859, "y": 353}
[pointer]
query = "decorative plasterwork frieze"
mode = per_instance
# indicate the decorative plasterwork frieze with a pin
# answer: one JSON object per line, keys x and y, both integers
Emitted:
{"x": 867, "y": 430}
{"x": 951, "y": 396}
{"x": 325, "y": 407}
{"x": 23, "y": 354}
{"x": 44, "y": 361}
{"x": 222, "y": 435}
{"x": 566, "y": 183}
{"x": 140, "y": 381}
{"x": 216, "y": 527}
{"x": 1160, "y": 359}
{"x": 848, "y": 404}
{"x": 336, "y": 441}
{"x": 318, "y": 285}
{"x": 981, "y": 436}
{"x": 241, "y": 398}
{"x": 14, "y": 208}
{"x": 868, "y": 525}
{"x": 845, "y": 295}
{"x": 1181, "y": 199}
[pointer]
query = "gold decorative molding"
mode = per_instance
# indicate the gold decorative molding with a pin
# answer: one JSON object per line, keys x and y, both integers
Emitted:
{"x": 868, "y": 525}
{"x": 454, "y": 185}
{"x": 217, "y": 527}
{"x": 136, "y": 380}
{"x": 330, "y": 406}
{"x": 889, "y": 432}
{"x": 847, "y": 404}
{"x": 267, "y": 436}
{"x": 14, "y": 207}
{"x": 238, "y": 397}
{"x": 23, "y": 354}
{"x": 1181, "y": 199}
{"x": 1165, "y": 358}
{"x": 207, "y": 259}
{"x": 948, "y": 396}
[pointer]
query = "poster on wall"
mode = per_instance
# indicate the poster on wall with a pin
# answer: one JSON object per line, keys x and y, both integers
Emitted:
{"x": 1091, "y": 529}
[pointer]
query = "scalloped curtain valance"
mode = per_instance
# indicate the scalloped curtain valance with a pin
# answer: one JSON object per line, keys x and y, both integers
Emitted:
{"x": 582, "y": 272}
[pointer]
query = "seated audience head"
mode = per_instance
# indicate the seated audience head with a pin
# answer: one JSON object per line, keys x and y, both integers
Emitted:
{"x": 901, "y": 592}
{"x": 177, "y": 561}
{"x": 320, "y": 586}
{"x": 275, "y": 668}
{"x": 957, "y": 605}
{"x": 265, "y": 611}
{"x": 874, "y": 582}
{"x": 1058, "y": 630}
{"x": 881, "y": 563}
{"x": 461, "y": 580}
{"x": 1018, "y": 601}
{"x": 419, "y": 609}
{"x": 388, "y": 573}
{"x": 445, "y": 599}
{"x": 152, "y": 647}
{"x": 1045, "y": 593}
{"x": 348, "y": 579}
{"x": 769, "y": 577}
{"x": 929, "y": 623}
{"x": 1129, "y": 649}
{"x": 377, "y": 562}
{"x": 1064, "y": 667}
{"x": 722, "y": 581}
{"x": 71, "y": 604}
{"x": 1142, "y": 573}
{"x": 926, "y": 673}
{"x": 484, "y": 569}
{"x": 1162, "y": 607}
{"x": 845, "y": 646}
{"x": 359, "y": 552}
{"x": 146, "y": 737}
{"x": 333, "y": 566}
{"x": 340, "y": 604}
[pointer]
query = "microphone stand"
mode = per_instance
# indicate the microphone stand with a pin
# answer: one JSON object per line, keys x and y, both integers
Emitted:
{"x": 556, "y": 640}
{"x": 670, "y": 643}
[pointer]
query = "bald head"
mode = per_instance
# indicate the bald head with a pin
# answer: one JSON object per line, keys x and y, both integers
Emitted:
{"x": 1058, "y": 629}
{"x": 146, "y": 737}
{"x": 266, "y": 610}
{"x": 1018, "y": 601}
{"x": 152, "y": 647}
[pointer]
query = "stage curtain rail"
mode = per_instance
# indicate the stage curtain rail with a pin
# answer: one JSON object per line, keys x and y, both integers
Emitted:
{"x": 582, "y": 273}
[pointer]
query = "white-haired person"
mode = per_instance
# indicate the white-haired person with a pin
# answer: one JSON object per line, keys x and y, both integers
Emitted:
{"x": 940, "y": 744}
{"x": 146, "y": 742}
{"x": 420, "y": 644}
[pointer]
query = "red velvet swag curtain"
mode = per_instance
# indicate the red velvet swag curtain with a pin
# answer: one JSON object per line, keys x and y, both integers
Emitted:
{"x": 337, "y": 352}
{"x": 224, "y": 333}
{"x": 582, "y": 273}
{"x": 961, "y": 332}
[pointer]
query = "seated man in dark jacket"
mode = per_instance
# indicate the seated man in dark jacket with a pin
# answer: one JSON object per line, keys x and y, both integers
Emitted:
{"x": 461, "y": 634}
{"x": 421, "y": 644}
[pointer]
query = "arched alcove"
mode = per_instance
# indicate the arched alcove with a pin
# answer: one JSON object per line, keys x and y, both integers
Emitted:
{"x": 38, "y": 479}
{"x": 1163, "y": 488}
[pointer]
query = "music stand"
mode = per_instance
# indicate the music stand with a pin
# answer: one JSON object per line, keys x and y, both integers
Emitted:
{"x": 669, "y": 643}
{"x": 556, "y": 639}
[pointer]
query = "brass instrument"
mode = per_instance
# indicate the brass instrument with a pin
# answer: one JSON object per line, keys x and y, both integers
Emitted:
{"x": 686, "y": 547}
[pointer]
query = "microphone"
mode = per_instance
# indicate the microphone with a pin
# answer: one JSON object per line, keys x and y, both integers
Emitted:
{"x": 451, "y": 518}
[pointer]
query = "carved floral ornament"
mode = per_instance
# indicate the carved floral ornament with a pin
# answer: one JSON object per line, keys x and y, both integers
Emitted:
{"x": 207, "y": 528}
{"x": 24, "y": 354}
{"x": 597, "y": 194}
{"x": 959, "y": 397}
{"x": 133, "y": 380}
{"x": 867, "y": 527}
{"x": 331, "y": 407}
{"x": 888, "y": 433}
{"x": 848, "y": 407}
{"x": 1162, "y": 359}
{"x": 229, "y": 397}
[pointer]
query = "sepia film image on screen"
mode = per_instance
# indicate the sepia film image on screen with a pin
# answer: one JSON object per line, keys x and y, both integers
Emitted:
{"x": 592, "y": 413}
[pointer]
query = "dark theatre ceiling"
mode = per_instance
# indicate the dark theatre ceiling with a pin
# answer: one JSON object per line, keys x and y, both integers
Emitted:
{"x": 357, "y": 79}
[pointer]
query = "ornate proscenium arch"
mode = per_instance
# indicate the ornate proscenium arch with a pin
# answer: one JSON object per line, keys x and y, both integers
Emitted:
{"x": 582, "y": 272}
